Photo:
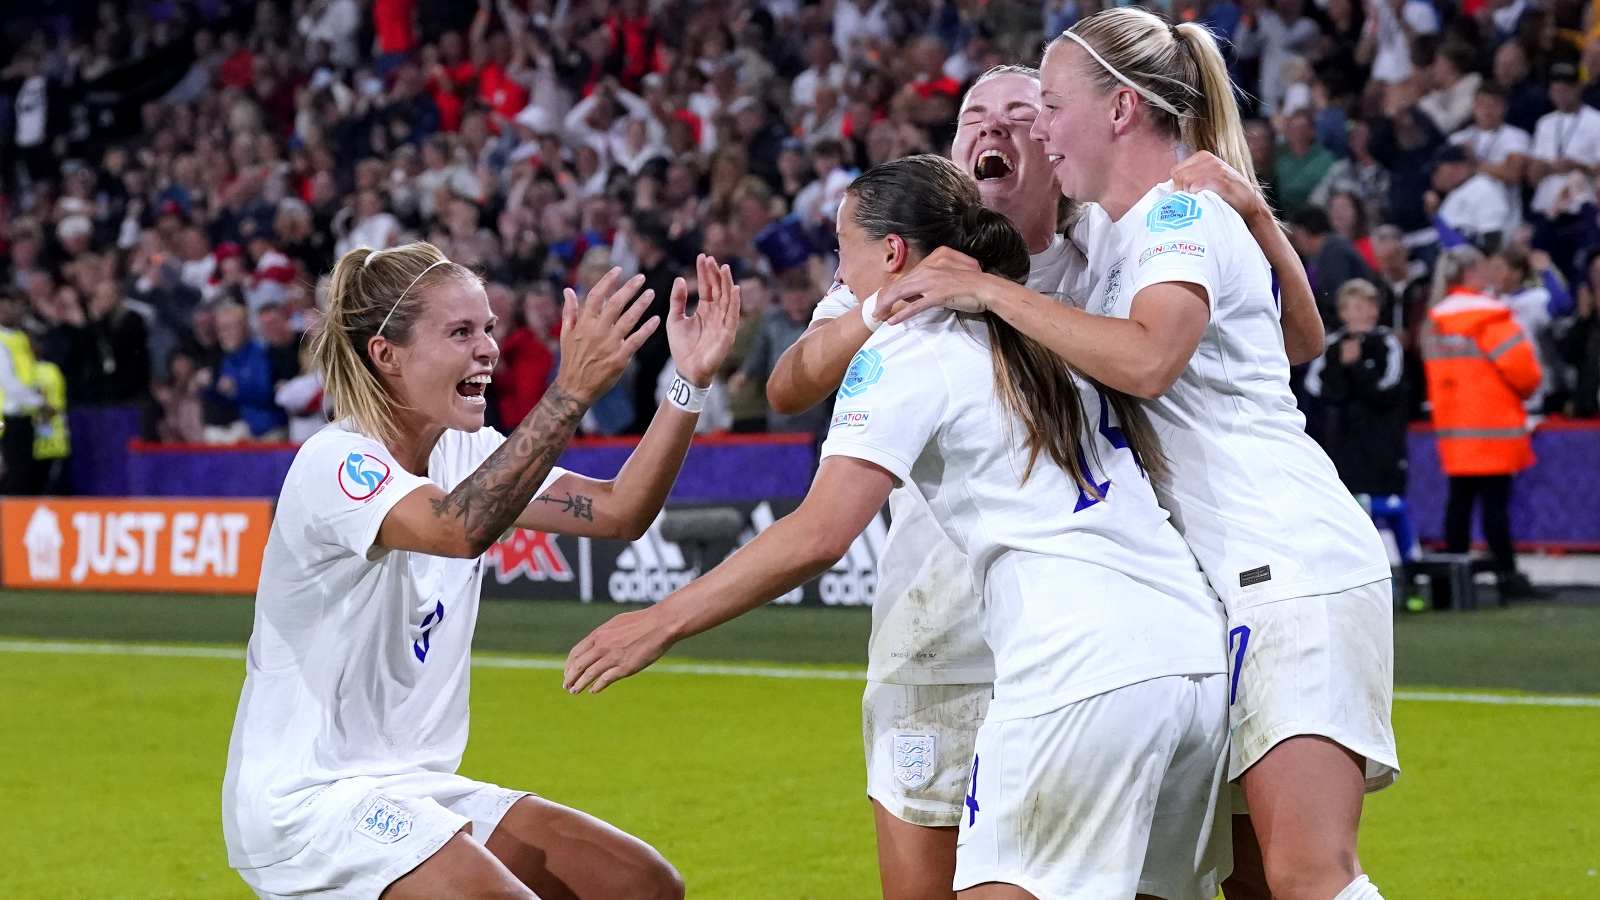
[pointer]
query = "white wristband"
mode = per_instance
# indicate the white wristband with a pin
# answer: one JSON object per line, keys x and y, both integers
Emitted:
{"x": 869, "y": 307}
{"x": 686, "y": 396}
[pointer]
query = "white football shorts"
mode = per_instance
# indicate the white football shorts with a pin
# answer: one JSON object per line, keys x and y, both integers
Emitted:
{"x": 919, "y": 740}
{"x": 367, "y": 832}
{"x": 1321, "y": 665}
{"x": 1112, "y": 796}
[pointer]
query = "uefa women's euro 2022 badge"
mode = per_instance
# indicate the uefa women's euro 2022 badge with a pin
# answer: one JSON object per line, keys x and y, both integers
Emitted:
{"x": 1173, "y": 213}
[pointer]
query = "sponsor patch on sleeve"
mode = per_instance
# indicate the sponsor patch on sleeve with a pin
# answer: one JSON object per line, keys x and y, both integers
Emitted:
{"x": 1173, "y": 213}
{"x": 847, "y": 420}
{"x": 1182, "y": 248}
{"x": 864, "y": 372}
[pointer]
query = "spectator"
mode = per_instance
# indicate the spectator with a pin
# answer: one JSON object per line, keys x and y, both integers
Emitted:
{"x": 1529, "y": 285}
{"x": 52, "y": 445}
{"x": 1467, "y": 201}
{"x": 1405, "y": 144}
{"x": 1500, "y": 150}
{"x": 1566, "y": 152}
{"x": 244, "y": 379}
{"x": 1579, "y": 345}
{"x": 1359, "y": 175}
{"x": 527, "y": 357}
{"x": 1526, "y": 99}
{"x": 1330, "y": 261}
{"x": 1280, "y": 32}
{"x": 1301, "y": 163}
{"x": 1480, "y": 369}
{"x": 780, "y": 328}
{"x": 1361, "y": 381}
{"x": 1403, "y": 281}
{"x": 22, "y": 400}
{"x": 649, "y": 240}
{"x": 1455, "y": 87}
{"x": 179, "y": 408}
{"x": 281, "y": 340}
{"x": 1392, "y": 25}
{"x": 747, "y": 401}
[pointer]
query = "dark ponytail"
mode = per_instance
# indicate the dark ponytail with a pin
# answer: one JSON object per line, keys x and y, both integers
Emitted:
{"x": 930, "y": 203}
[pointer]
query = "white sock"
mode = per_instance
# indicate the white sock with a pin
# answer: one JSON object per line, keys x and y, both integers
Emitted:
{"x": 1360, "y": 889}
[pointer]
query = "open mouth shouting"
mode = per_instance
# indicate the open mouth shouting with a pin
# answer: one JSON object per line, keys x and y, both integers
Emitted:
{"x": 993, "y": 164}
{"x": 472, "y": 388}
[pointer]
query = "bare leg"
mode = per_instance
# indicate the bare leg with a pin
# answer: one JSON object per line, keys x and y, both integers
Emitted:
{"x": 1249, "y": 878}
{"x": 563, "y": 854}
{"x": 915, "y": 862}
{"x": 1305, "y": 803}
{"x": 460, "y": 870}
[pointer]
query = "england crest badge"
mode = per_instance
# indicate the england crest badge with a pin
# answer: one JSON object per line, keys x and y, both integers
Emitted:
{"x": 915, "y": 756}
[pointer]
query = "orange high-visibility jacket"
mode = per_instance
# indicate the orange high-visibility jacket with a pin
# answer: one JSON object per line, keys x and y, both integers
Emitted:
{"x": 1480, "y": 368}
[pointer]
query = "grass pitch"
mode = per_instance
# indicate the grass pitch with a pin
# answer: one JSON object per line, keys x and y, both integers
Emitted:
{"x": 111, "y": 765}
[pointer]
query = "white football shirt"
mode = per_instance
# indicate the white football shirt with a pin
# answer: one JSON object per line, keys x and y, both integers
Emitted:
{"x": 359, "y": 661}
{"x": 925, "y": 610}
{"x": 1561, "y": 135}
{"x": 1258, "y": 501}
{"x": 1081, "y": 594}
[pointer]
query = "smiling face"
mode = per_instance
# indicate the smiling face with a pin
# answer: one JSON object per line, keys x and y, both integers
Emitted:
{"x": 994, "y": 145}
{"x": 1074, "y": 124}
{"x": 442, "y": 373}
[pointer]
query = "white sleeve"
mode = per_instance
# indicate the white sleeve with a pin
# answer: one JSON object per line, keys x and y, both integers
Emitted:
{"x": 891, "y": 402}
{"x": 835, "y": 303}
{"x": 348, "y": 485}
{"x": 1182, "y": 238}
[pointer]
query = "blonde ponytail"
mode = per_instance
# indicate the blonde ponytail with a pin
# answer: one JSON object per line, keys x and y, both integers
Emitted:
{"x": 368, "y": 291}
{"x": 1216, "y": 126}
{"x": 1176, "y": 69}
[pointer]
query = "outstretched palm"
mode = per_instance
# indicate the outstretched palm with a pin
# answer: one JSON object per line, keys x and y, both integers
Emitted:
{"x": 700, "y": 342}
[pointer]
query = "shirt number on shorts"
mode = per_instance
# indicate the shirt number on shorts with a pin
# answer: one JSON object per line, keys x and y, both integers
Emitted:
{"x": 1116, "y": 439}
{"x": 1238, "y": 640}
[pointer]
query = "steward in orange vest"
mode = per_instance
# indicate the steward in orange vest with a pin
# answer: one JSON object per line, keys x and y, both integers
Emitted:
{"x": 1480, "y": 367}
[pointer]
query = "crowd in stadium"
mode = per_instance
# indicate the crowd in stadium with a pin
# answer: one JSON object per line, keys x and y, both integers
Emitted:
{"x": 179, "y": 176}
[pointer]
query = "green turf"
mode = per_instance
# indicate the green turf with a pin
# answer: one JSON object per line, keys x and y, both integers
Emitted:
{"x": 110, "y": 771}
{"x": 1531, "y": 648}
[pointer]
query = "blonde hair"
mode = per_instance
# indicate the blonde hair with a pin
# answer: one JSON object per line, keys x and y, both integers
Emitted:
{"x": 1356, "y": 289}
{"x": 368, "y": 291}
{"x": 1176, "y": 69}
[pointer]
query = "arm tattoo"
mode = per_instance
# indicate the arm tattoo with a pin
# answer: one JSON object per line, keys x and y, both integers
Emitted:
{"x": 490, "y": 499}
{"x": 580, "y": 506}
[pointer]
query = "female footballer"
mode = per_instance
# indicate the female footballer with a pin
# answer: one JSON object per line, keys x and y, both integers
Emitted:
{"x": 341, "y": 779}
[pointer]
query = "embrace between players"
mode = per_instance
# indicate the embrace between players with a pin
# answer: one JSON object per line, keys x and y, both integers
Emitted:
{"x": 1131, "y": 635}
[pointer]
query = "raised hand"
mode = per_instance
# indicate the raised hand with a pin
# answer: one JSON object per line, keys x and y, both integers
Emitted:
{"x": 945, "y": 277}
{"x": 596, "y": 343}
{"x": 700, "y": 342}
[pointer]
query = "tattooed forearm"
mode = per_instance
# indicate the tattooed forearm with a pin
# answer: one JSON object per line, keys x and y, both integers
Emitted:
{"x": 490, "y": 499}
{"x": 580, "y": 506}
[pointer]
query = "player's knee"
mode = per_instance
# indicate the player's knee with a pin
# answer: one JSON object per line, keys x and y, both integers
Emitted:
{"x": 1310, "y": 876}
{"x": 653, "y": 879}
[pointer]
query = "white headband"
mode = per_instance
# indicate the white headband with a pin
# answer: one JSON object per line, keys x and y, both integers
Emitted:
{"x": 404, "y": 292}
{"x": 1144, "y": 92}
